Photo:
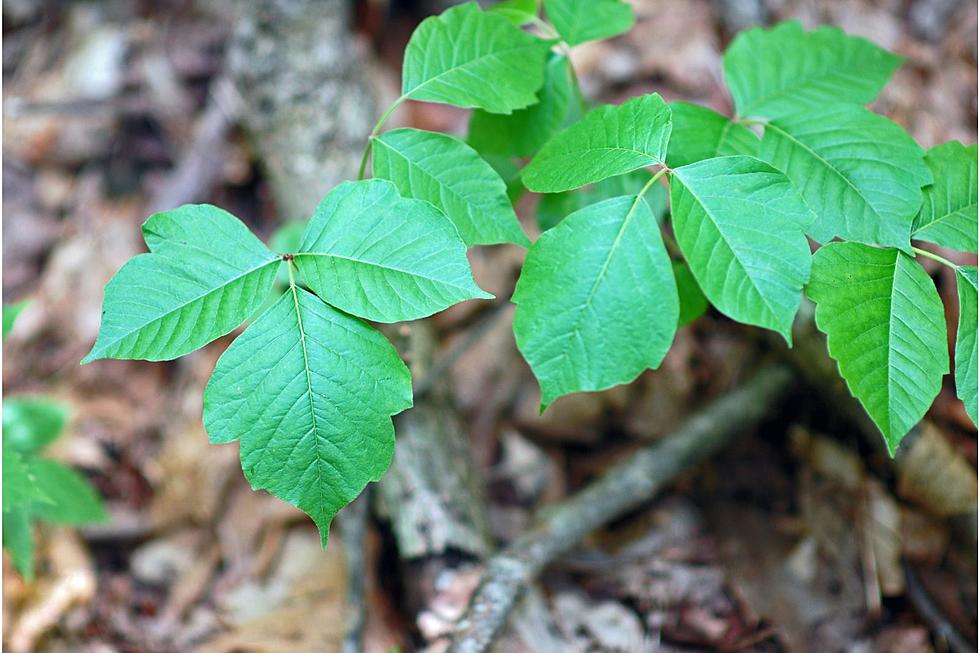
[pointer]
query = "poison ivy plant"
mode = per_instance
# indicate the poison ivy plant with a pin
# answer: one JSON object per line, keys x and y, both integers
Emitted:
{"x": 37, "y": 489}
{"x": 553, "y": 207}
{"x": 608, "y": 141}
{"x": 740, "y": 224}
{"x": 693, "y": 303}
{"x": 309, "y": 392}
{"x": 948, "y": 216}
{"x": 473, "y": 59}
{"x": 699, "y": 133}
{"x": 885, "y": 327}
{"x": 966, "y": 340}
{"x": 776, "y": 72}
{"x": 523, "y": 132}
{"x": 204, "y": 275}
{"x": 449, "y": 174}
{"x": 860, "y": 172}
{"x": 577, "y": 22}
{"x": 309, "y": 388}
{"x": 570, "y": 322}
{"x": 519, "y": 12}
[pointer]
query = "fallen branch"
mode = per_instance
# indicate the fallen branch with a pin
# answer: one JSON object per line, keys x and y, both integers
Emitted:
{"x": 621, "y": 489}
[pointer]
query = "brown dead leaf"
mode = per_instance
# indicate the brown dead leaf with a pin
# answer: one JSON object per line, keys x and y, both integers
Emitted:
{"x": 934, "y": 475}
{"x": 299, "y": 609}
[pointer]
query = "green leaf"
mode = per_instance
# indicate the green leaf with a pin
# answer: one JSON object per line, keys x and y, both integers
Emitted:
{"x": 885, "y": 328}
{"x": 740, "y": 225}
{"x": 73, "y": 499}
{"x": 308, "y": 391}
{"x": 553, "y": 207}
{"x": 608, "y": 141}
{"x": 449, "y": 174}
{"x": 693, "y": 303}
{"x": 523, "y": 132}
{"x": 371, "y": 252}
{"x": 860, "y": 172}
{"x": 10, "y": 314}
{"x": 205, "y": 274}
{"x": 948, "y": 216}
{"x": 699, "y": 133}
{"x": 20, "y": 487}
{"x": 519, "y": 12}
{"x": 472, "y": 59}
{"x": 508, "y": 170}
{"x": 32, "y": 423}
{"x": 578, "y": 21}
{"x": 596, "y": 300}
{"x": 18, "y": 539}
{"x": 775, "y": 72}
{"x": 966, "y": 340}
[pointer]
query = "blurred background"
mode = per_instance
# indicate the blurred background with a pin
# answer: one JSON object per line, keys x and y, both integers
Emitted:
{"x": 802, "y": 536}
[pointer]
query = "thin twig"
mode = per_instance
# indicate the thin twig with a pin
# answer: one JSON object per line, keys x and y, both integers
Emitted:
{"x": 931, "y": 613}
{"x": 622, "y": 488}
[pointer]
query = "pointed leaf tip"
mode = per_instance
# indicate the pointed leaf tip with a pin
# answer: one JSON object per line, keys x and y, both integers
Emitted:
{"x": 309, "y": 392}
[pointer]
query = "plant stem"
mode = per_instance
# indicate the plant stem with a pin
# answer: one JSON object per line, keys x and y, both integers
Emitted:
{"x": 672, "y": 245}
{"x": 936, "y": 257}
{"x": 546, "y": 30}
{"x": 549, "y": 32}
{"x": 582, "y": 102}
{"x": 653, "y": 179}
{"x": 623, "y": 487}
{"x": 374, "y": 132}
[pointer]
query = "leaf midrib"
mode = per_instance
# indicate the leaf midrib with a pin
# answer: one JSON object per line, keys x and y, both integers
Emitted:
{"x": 731, "y": 248}
{"x": 442, "y": 184}
{"x": 790, "y": 91}
{"x": 184, "y": 305}
{"x": 383, "y": 267}
{"x": 891, "y": 330}
{"x": 495, "y": 54}
{"x": 309, "y": 388}
{"x": 826, "y": 164}
{"x": 602, "y": 272}
{"x": 945, "y": 216}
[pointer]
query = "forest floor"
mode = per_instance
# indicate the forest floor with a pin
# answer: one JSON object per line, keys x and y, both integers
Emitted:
{"x": 801, "y": 536}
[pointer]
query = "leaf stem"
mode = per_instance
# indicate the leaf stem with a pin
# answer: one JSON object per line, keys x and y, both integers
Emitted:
{"x": 653, "y": 179}
{"x": 672, "y": 245}
{"x": 935, "y": 257}
{"x": 547, "y": 30}
{"x": 289, "y": 268}
{"x": 582, "y": 102}
{"x": 374, "y": 132}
